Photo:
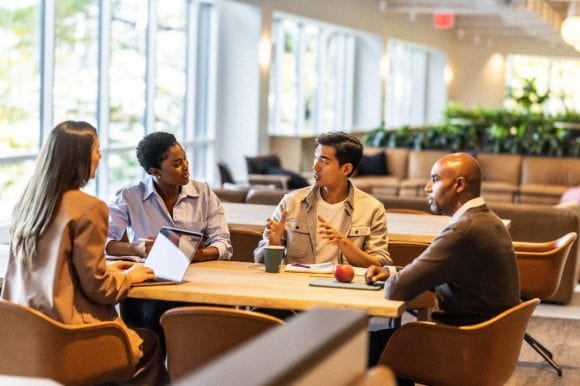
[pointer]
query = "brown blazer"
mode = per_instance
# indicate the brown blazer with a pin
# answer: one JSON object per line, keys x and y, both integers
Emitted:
{"x": 69, "y": 280}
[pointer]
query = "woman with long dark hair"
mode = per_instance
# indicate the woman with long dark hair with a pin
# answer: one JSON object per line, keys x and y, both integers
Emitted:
{"x": 57, "y": 241}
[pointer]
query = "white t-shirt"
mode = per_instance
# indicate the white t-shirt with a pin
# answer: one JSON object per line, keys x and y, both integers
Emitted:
{"x": 335, "y": 215}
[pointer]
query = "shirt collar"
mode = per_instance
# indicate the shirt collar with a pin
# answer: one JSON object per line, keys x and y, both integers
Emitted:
{"x": 188, "y": 190}
{"x": 311, "y": 196}
{"x": 473, "y": 203}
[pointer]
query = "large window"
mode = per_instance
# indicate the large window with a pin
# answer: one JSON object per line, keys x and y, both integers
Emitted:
{"x": 311, "y": 87}
{"x": 558, "y": 75}
{"x": 416, "y": 92}
{"x": 123, "y": 65}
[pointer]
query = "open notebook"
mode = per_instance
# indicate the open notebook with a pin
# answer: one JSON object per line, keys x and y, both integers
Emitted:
{"x": 171, "y": 254}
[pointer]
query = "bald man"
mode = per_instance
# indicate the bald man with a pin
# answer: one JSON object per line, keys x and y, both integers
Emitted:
{"x": 471, "y": 265}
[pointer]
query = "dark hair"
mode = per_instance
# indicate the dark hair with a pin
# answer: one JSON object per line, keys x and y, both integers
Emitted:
{"x": 63, "y": 164}
{"x": 152, "y": 149}
{"x": 348, "y": 148}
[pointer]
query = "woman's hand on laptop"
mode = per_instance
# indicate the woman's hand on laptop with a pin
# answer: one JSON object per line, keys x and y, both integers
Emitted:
{"x": 139, "y": 274}
{"x": 120, "y": 266}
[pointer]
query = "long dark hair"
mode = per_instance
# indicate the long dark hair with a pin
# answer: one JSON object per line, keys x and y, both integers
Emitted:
{"x": 64, "y": 163}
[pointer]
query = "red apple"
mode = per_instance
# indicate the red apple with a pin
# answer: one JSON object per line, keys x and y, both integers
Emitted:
{"x": 343, "y": 273}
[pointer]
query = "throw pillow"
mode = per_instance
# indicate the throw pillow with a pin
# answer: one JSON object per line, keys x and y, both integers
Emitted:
{"x": 259, "y": 164}
{"x": 372, "y": 165}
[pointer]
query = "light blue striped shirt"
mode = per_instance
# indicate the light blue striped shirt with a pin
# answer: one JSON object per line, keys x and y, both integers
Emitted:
{"x": 141, "y": 211}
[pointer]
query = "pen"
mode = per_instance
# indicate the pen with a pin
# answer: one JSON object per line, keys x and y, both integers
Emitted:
{"x": 300, "y": 265}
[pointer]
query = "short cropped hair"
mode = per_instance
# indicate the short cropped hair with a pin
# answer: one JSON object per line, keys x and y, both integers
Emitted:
{"x": 152, "y": 149}
{"x": 348, "y": 148}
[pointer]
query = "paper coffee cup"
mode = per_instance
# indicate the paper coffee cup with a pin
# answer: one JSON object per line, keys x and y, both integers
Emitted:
{"x": 273, "y": 256}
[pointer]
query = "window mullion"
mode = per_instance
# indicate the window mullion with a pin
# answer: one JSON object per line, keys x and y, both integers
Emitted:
{"x": 47, "y": 38}
{"x": 300, "y": 49}
{"x": 150, "y": 66}
{"x": 103, "y": 97}
{"x": 320, "y": 76}
{"x": 190, "y": 71}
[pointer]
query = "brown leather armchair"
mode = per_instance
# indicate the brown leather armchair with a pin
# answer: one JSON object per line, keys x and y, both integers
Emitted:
{"x": 481, "y": 354}
{"x": 196, "y": 335}
{"x": 34, "y": 345}
{"x": 541, "y": 266}
{"x": 244, "y": 241}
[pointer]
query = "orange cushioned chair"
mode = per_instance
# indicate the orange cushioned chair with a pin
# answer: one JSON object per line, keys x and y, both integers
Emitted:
{"x": 541, "y": 266}
{"x": 196, "y": 335}
{"x": 34, "y": 345}
{"x": 403, "y": 253}
{"x": 481, "y": 354}
{"x": 244, "y": 241}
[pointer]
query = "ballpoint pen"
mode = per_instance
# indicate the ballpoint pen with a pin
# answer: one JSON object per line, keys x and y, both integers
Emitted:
{"x": 300, "y": 265}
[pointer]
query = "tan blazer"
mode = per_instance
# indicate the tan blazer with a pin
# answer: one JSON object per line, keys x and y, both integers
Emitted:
{"x": 69, "y": 280}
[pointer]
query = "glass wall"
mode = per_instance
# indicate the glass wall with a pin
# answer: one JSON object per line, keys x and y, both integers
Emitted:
{"x": 415, "y": 91}
{"x": 122, "y": 65}
{"x": 311, "y": 85}
{"x": 558, "y": 75}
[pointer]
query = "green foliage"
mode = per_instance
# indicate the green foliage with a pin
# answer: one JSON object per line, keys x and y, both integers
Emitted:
{"x": 488, "y": 130}
{"x": 528, "y": 98}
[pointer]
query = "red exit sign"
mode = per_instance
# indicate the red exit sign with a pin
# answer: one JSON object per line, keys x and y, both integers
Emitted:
{"x": 443, "y": 20}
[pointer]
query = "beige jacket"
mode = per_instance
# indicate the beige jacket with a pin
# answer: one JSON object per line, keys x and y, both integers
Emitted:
{"x": 69, "y": 281}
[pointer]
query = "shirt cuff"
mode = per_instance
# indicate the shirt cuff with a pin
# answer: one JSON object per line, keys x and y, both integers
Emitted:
{"x": 391, "y": 268}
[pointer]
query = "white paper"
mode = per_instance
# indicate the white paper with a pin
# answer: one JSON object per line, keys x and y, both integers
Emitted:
{"x": 319, "y": 268}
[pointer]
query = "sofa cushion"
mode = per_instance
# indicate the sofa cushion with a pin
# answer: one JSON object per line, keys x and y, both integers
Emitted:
{"x": 421, "y": 162}
{"x": 500, "y": 167}
{"x": 498, "y": 191}
{"x": 397, "y": 161}
{"x": 372, "y": 165}
{"x": 388, "y": 185}
{"x": 559, "y": 171}
{"x": 541, "y": 194}
{"x": 413, "y": 187}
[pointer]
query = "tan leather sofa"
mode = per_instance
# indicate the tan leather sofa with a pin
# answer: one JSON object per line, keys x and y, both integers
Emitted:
{"x": 505, "y": 177}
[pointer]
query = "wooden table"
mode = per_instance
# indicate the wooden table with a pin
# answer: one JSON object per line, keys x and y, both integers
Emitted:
{"x": 400, "y": 226}
{"x": 234, "y": 283}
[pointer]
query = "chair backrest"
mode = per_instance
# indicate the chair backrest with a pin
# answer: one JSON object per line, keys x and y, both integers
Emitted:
{"x": 196, "y": 335}
{"x": 244, "y": 241}
{"x": 225, "y": 173}
{"x": 231, "y": 195}
{"x": 481, "y": 354}
{"x": 541, "y": 265}
{"x": 404, "y": 252}
{"x": 33, "y": 345}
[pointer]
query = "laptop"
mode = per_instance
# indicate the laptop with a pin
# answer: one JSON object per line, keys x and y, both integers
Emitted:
{"x": 171, "y": 254}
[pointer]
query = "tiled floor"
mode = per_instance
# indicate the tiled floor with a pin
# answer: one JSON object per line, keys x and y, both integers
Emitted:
{"x": 568, "y": 311}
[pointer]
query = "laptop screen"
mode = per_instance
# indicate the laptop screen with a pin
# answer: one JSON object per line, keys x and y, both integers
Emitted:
{"x": 172, "y": 252}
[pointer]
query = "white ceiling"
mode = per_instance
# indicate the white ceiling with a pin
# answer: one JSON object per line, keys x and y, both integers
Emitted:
{"x": 491, "y": 19}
